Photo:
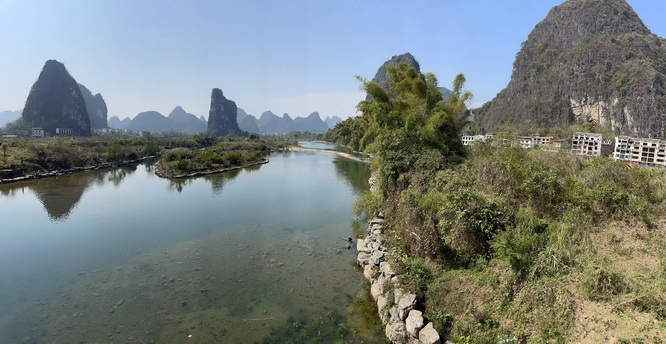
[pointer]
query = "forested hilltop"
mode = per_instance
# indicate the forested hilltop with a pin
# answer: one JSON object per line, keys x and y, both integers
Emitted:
{"x": 510, "y": 244}
{"x": 588, "y": 60}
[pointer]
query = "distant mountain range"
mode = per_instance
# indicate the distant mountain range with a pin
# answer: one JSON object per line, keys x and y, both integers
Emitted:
{"x": 178, "y": 120}
{"x": 267, "y": 124}
{"x": 9, "y": 116}
{"x": 271, "y": 124}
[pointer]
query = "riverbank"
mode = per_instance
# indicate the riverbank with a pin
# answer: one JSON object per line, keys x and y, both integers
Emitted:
{"x": 342, "y": 154}
{"x": 56, "y": 173}
{"x": 397, "y": 308}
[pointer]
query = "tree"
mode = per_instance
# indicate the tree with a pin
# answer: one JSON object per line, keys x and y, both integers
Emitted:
{"x": 413, "y": 129}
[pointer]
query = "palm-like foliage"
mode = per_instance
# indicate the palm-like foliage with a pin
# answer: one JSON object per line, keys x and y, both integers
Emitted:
{"x": 410, "y": 128}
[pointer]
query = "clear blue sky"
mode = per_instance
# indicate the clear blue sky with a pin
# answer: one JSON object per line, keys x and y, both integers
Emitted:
{"x": 284, "y": 56}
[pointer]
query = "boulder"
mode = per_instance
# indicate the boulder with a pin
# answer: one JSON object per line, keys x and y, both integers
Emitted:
{"x": 382, "y": 304}
{"x": 386, "y": 269}
{"x": 381, "y": 282}
{"x": 377, "y": 257}
{"x": 393, "y": 315}
{"x": 363, "y": 258}
{"x": 361, "y": 246}
{"x": 414, "y": 323}
{"x": 406, "y": 304}
{"x": 368, "y": 272}
{"x": 375, "y": 290}
{"x": 395, "y": 332}
{"x": 428, "y": 335}
{"x": 397, "y": 292}
{"x": 376, "y": 220}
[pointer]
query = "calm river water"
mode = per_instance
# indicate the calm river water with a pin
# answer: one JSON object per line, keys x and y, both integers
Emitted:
{"x": 123, "y": 256}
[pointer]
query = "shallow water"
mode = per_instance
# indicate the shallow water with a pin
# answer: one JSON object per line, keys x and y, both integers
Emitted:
{"x": 124, "y": 256}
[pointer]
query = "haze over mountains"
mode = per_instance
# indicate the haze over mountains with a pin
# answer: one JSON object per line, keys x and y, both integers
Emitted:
{"x": 96, "y": 107}
{"x": 267, "y": 124}
{"x": 9, "y": 116}
{"x": 589, "y": 60}
{"x": 61, "y": 106}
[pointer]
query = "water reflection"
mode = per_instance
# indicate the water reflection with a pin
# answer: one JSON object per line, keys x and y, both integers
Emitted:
{"x": 354, "y": 172}
{"x": 140, "y": 263}
{"x": 217, "y": 180}
{"x": 60, "y": 195}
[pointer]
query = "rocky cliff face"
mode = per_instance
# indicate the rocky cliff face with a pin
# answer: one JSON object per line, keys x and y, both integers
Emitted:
{"x": 222, "y": 116}
{"x": 55, "y": 101}
{"x": 589, "y": 60}
{"x": 96, "y": 107}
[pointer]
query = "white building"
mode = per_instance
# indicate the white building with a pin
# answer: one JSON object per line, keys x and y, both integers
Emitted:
{"x": 586, "y": 144}
{"x": 467, "y": 139}
{"x": 650, "y": 152}
{"x": 37, "y": 132}
{"x": 65, "y": 132}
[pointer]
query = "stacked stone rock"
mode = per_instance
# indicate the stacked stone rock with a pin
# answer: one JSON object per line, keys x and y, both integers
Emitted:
{"x": 403, "y": 323}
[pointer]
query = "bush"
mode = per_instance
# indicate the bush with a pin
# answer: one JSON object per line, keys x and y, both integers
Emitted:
{"x": 233, "y": 158}
{"x": 520, "y": 244}
{"x": 177, "y": 154}
{"x": 470, "y": 222}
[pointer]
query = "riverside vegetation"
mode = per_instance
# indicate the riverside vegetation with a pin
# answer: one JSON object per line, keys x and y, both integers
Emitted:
{"x": 507, "y": 243}
{"x": 218, "y": 157}
{"x": 22, "y": 157}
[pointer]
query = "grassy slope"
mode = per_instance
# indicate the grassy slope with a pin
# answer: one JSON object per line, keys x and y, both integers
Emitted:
{"x": 535, "y": 247}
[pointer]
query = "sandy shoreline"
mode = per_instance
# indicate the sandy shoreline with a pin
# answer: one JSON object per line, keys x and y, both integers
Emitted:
{"x": 342, "y": 154}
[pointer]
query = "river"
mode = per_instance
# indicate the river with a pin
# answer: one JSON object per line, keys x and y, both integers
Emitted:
{"x": 123, "y": 256}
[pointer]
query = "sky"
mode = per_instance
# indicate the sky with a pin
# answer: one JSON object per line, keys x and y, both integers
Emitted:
{"x": 287, "y": 56}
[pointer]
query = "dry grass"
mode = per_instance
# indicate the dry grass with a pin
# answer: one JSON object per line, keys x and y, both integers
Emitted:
{"x": 637, "y": 315}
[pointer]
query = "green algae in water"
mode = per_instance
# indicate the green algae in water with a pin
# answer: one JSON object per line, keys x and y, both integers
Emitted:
{"x": 186, "y": 260}
{"x": 359, "y": 325}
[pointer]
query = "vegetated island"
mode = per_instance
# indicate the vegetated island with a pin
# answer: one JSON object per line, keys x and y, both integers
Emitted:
{"x": 223, "y": 156}
{"x": 25, "y": 159}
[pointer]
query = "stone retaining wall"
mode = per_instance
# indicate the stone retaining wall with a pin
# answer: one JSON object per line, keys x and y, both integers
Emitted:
{"x": 397, "y": 308}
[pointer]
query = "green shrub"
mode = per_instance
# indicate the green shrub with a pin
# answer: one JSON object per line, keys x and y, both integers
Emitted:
{"x": 233, "y": 158}
{"x": 470, "y": 222}
{"x": 177, "y": 154}
{"x": 519, "y": 245}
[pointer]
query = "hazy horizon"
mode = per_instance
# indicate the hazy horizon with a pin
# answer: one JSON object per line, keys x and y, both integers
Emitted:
{"x": 294, "y": 57}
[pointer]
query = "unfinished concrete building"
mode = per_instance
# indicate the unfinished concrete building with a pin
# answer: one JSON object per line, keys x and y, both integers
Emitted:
{"x": 641, "y": 151}
{"x": 586, "y": 144}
